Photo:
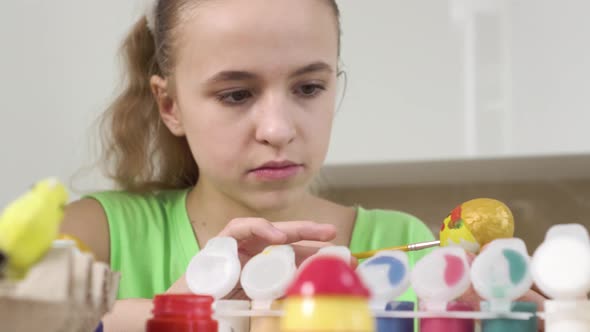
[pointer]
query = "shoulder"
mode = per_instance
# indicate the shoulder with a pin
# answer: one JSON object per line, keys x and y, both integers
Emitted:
{"x": 128, "y": 199}
{"x": 125, "y": 205}
{"x": 100, "y": 219}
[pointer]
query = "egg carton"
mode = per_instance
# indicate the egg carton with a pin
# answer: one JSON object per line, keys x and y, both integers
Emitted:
{"x": 67, "y": 291}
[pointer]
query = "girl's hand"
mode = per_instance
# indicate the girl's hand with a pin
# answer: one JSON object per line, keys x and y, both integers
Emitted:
{"x": 255, "y": 234}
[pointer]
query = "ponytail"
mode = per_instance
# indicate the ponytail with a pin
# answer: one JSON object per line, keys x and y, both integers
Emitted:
{"x": 140, "y": 154}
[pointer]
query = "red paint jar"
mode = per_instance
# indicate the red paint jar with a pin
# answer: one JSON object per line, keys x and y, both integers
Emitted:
{"x": 182, "y": 313}
{"x": 449, "y": 324}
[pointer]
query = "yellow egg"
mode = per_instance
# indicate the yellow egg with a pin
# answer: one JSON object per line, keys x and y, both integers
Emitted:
{"x": 476, "y": 223}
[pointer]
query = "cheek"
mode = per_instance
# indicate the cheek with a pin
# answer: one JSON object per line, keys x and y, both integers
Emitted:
{"x": 214, "y": 145}
{"x": 317, "y": 129}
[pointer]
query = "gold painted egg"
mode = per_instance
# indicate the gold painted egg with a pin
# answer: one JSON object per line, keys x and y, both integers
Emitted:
{"x": 476, "y": 223}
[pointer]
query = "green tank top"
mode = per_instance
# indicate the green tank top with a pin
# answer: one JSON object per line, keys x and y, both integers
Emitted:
{"x": 152, "y": 240}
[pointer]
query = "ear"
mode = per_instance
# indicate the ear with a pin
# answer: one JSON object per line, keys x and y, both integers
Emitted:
{"x": 167, "y": 106}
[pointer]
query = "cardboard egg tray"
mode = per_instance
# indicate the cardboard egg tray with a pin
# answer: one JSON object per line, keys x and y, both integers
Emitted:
{"x": 66, "y": 291}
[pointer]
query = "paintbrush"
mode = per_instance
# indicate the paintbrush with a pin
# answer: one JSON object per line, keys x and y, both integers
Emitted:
{"x": 407, "y": 247}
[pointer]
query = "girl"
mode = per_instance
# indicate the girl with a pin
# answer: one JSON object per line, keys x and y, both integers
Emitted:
{"x": 224, "y": 122}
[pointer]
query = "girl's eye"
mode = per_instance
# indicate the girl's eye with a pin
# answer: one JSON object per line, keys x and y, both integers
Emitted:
{"x": 235, "y": 97}
{"x": 310, "y": 90}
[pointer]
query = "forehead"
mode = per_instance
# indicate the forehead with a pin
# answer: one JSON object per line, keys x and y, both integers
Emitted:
{"x": 256, "y": 35}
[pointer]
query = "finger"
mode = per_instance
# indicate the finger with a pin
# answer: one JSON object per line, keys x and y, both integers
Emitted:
{"x": 317, "y": 244}
{"x": 309, "y": 249}
{"x": 306, "y": 230}
{"x": 248, "y": 228}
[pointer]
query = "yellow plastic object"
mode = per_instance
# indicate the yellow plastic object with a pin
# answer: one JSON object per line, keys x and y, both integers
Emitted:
{"x": 476, "y": 223}
{"x": 327, "y": 313}
{"x": 29, "y": 225}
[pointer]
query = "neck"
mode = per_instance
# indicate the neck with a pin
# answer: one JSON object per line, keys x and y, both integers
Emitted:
{"x": 210, "y": 210}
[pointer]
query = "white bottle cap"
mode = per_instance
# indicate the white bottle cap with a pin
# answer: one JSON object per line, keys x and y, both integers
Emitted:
{"x": 441, "y": 276}
{"x": 561, "y": 264}
{"x": 267, "y": 275}
{"x": 215, "y": 270}
{"x": 387, "y": 275}
{"x": 341, "y": 252}
{"x": 576, "y": 231}
{"x": 501, "y": 273}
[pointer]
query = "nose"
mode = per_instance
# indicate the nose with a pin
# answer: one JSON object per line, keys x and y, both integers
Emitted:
{"x": 274, "y": 122}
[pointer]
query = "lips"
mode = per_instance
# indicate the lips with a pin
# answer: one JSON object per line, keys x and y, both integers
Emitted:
{"x": 277, "y": 164}
{"x": 277, "y": 170}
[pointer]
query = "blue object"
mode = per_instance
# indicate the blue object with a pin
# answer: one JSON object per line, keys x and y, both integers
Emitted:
{"x": 397, "y": 324}
{"x": 397, "y": 270}
{"x": 99, "y": 328}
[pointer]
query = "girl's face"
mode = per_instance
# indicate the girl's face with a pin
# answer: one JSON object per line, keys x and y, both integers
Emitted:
{"x": 255, "y": 85}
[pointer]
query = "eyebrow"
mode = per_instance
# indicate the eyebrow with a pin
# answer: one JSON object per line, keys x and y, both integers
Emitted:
{"x": 312, "y": 68}
{"x": 238, "y": 75}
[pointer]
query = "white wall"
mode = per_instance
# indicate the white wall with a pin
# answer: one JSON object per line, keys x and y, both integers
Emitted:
{"x": 551, "y": 71}
{"x": 57, "y": 60}
{"x": 408, "y": 96}
{"x": 405, "y": 98}
{"x": 403, "y": 66}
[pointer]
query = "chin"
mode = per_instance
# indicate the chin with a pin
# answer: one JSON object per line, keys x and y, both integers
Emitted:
{"x": 274, "y": 200}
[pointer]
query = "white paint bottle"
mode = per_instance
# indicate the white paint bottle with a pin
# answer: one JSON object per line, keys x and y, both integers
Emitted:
{"x": 561, "y": 270}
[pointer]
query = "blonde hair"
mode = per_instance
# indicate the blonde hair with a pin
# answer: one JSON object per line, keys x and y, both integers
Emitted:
{"x": 139, "y": 153}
